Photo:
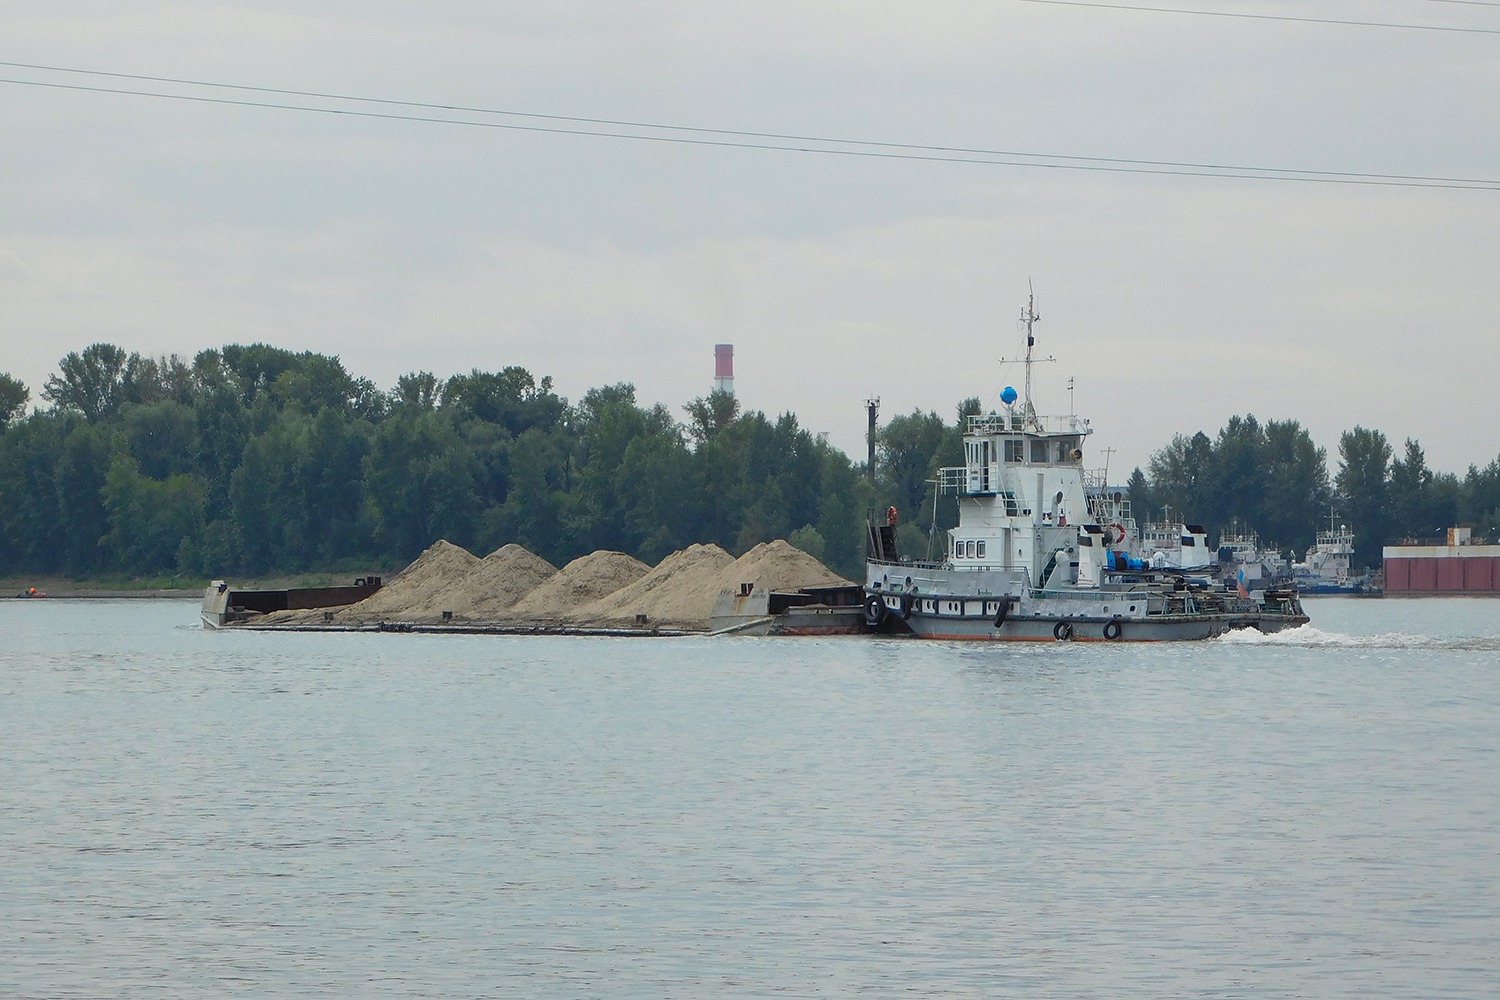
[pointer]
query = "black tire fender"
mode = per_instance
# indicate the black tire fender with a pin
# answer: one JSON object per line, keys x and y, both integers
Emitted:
{"x": 874, "y": 609}
{"x": 1112, "y": 629}
{"x": 1062, "y": 631}
{"x": 906, "y": 602}
{"x": 1003, "y": 612}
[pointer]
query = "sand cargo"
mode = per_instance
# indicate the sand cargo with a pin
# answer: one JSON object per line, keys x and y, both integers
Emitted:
{"x": 513, "y": 590}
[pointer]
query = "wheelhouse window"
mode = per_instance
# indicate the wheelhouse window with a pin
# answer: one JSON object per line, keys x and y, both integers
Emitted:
{"x": 969, "y": 549}
{"x": 1065, "y": 449}
{"x": 1039, "y": 450}
{"x": 1015, "y": 450}
{"x": 979, "y": 552}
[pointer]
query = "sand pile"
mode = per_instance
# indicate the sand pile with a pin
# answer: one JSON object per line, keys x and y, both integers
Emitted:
{"x": 680, "y": 591}
{"x": 494, "y": 586}
{"x": 775, "y": 565}
{"x": 582, "y": 581}
{"x": 443, "y": 578}
{"x": 435, "y": 570}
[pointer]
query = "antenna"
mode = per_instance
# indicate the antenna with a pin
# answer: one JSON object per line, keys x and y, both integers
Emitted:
{"x": 1029, "y": 318}
{"x": 1107, "y": 452}
{"x": 873, "y": 405}
{"x": 1070, "y": 397}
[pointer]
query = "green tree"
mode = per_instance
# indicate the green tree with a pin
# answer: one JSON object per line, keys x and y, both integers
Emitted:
{"x": 1142, "y": 497}
{"x": 13, "y": 398}
{"x": 532, "y": 512}
{"x": 809, "y": 540}
{"x": 907, "y": 458}
{"x": 1364, "y": 490}
{"x": 1479, "y": 499}
{"x": 1297, "y": 489}
{"x": 162, "y": 437}
{"x": 154, "y": 523}
{"x": 421, "y": 390}
{"x": 29, "y": 456}
{"x": 90, "y": 382}
{"x": 1181, "y": 476}
{"x": 82, "y": 518}
{"x": 420, "y": 476}
{"x": 708, "y": 415}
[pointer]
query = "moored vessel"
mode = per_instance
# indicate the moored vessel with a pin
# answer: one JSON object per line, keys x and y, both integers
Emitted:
{"x": 1326, "y": 570}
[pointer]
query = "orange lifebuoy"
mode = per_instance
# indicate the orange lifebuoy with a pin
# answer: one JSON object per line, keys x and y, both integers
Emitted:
{"x": 890, "y": 516}
{"x": 1118, "y": 530}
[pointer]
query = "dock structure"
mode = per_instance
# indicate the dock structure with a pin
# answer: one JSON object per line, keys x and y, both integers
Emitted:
{"x": 1449, "y": 567}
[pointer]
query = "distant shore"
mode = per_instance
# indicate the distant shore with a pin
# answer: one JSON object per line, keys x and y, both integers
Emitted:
{"x": 179, "y": 587}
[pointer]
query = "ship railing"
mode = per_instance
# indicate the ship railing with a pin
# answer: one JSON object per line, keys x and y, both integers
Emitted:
{"x": 953, "y": 481}
{"x": 905, "y": 564}
{"x": 986, "y": 424}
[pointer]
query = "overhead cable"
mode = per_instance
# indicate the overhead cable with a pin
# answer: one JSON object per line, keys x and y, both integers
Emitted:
{"x": 690, "y": 135}
{"x": 1265, "y": 17}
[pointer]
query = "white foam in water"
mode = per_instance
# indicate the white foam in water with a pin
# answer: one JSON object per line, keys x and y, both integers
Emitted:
{"x": 1308, "y": 636}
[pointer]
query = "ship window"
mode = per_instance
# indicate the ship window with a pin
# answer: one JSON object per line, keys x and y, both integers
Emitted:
{"x": 1187, "y": 541}
{"x": 969, "y": 549}
{"x": 980, "y": 551}
{"x": 1038, "y": 450}
{"x": 1014, "y": 452}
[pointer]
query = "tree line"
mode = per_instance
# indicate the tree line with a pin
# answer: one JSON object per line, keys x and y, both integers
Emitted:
{"x": 255, "y": 460}
{"x": 1272, "y": 478}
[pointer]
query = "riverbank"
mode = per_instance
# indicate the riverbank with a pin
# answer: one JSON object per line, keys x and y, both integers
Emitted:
{"x": 12, "y": 587}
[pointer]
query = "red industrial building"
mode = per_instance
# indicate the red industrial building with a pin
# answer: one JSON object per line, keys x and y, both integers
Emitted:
{"x": 1459, "y": 567}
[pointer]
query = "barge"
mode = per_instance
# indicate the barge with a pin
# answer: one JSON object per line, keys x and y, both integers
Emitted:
{"x": 224, "y": 605}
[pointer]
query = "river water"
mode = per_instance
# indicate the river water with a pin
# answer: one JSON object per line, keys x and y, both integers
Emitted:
{"x": 195, "y": 814}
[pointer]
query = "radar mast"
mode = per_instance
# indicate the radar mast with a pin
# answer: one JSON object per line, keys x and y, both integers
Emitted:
{"x": 1029, "y": 318}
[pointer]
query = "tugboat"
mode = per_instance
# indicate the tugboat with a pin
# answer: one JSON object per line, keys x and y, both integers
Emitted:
{"x": 1030, "y": 559}
{"x": 1326, "y": 569}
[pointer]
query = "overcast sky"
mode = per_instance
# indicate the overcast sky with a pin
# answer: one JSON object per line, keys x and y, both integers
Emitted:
{"x": 1174, "y": 302}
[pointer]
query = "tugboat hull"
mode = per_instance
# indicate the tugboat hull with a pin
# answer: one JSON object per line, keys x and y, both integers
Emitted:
{"x": 1116, "y": 616}
{"x": 1186, "y": 628}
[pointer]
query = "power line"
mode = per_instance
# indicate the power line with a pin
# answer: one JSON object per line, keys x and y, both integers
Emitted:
{"x": 739, "y": 133}
{"x": 826, "y": 146}
{"x": 1265, "y": 17}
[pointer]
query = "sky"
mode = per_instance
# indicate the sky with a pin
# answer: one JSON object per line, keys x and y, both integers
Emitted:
{"x": 1172, "y": 302}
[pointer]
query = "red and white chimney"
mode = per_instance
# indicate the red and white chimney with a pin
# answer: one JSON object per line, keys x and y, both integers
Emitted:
{"x": 724, "y": 368}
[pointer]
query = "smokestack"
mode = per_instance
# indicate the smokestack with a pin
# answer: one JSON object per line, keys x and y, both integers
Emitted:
{"x": 724, "y": 368}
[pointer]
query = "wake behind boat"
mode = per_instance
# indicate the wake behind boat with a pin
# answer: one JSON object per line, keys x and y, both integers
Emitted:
{"x": 1036, "y": 556}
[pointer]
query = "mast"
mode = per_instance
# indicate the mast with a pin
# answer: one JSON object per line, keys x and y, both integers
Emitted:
{"x": 1029, "y": 317}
